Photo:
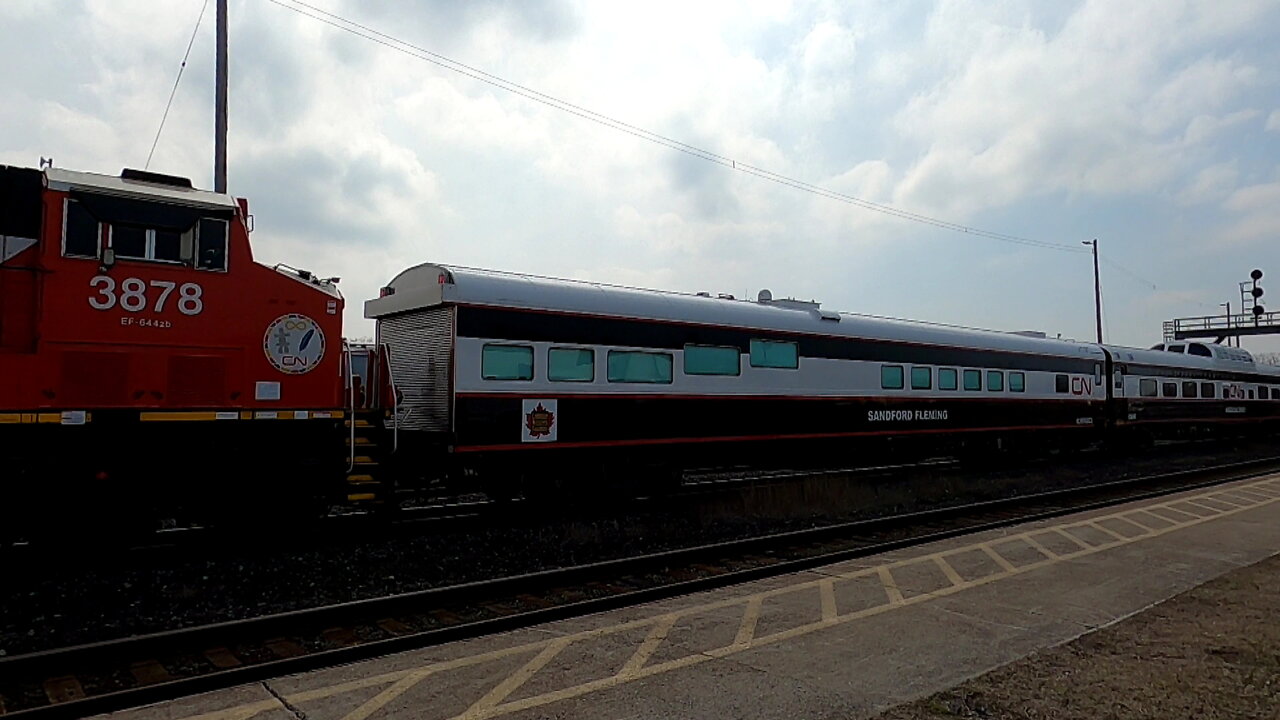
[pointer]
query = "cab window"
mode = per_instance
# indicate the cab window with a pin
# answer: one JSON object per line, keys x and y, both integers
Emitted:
{"x": 211, "y": 244}
{"x": 80, "y": 233}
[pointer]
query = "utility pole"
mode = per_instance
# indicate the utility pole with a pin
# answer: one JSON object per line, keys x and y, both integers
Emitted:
{"x": 220, "y": 102}
{"x": 1097, "y": 287}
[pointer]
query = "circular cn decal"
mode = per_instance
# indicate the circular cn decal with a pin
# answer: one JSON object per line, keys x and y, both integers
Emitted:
{"x": 294, "y": 344}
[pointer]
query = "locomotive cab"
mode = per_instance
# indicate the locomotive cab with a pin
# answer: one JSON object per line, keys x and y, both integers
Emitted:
{"x": 137, "y": 330}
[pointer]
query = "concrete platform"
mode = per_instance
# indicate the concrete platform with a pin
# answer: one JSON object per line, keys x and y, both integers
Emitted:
{"x": 843, "y": 641}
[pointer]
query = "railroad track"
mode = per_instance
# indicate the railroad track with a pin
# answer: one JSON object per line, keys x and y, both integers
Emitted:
{"x": 104, "y": 676}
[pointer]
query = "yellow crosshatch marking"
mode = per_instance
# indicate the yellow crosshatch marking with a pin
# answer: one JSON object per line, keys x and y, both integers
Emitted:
{"x": 494, "y": 702}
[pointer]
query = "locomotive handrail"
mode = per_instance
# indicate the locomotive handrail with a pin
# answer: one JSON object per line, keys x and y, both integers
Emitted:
{"x": 351, "y": 414}
{"x": 395, "y": 398}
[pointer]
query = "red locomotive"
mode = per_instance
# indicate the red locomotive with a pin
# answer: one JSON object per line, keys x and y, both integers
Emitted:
{"x": 147, "y": 363}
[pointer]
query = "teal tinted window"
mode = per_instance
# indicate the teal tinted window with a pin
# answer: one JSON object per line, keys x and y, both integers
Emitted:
{"x": 972, "y": 379}
{"x": 639, "y": 367}
{"x": 921, "y": 378}
{"x": 995, "y": 381}
{"x": 774, "y": 354}
{"x": 947, "y": 378}
{"x": 506, "y": 362}
{"x": 891, "y": 377}
{"x": 1017, "y": 382}
{"x": 571, "y": 365}
{"x": 707, "y": 360}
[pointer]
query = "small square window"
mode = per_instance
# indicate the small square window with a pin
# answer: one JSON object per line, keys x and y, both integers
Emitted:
{"x": 947, "y": 378}
{"x": 1017, "y": 382}
{"x": 571, "y": 365}
{"x": 1169, "y": 389}
{"x": 774, "y": 354}
{"x": 972, "y": 379}
{"x": 1061, "y": 383}
{"x": 1148, "y": 387}
{"x": 921, "y": 378}
{"x": 1189, "y": 389}
{"x": 891, "y": 377}
{"x": 995, "y": 381}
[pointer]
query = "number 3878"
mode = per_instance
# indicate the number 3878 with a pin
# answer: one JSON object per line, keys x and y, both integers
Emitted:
{"x": 136, "y": 295}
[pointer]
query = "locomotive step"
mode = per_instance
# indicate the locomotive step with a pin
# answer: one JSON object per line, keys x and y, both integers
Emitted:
{"x": 362, "y": 480}
{"x": 362, "y": 441}
{"x": 365, "y": 460}
{"x": 360, "y": 422}
{"x": 362, "y": 497}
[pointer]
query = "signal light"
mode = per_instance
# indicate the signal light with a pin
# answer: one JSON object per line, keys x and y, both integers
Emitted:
{"x": 1257, "y": 310}
{"x": 1256, "y": 275}
{"x": 1256, "y": 292}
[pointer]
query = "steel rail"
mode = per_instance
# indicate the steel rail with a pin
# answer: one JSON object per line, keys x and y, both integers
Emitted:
{"x": 125, "y": 650}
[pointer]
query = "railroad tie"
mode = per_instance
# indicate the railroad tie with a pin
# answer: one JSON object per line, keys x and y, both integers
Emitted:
{"x": 63, "y": 689}
{"x": 222, "y": 658}
{"x": 149, "y": 672}
{"x": 285, "y": 648}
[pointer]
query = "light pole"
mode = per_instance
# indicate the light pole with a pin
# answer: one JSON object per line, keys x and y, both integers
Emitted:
{"x": 1097, "y": 286}
{"x": 1227, "y": 305}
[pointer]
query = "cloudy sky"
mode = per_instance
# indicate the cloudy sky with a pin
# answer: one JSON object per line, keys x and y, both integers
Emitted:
{"x": 1152, "y": 126}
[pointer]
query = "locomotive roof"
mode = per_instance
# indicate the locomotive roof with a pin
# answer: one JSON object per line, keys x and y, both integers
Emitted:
{"x": 429, "y": 285}
{"x": 59, "y": 179}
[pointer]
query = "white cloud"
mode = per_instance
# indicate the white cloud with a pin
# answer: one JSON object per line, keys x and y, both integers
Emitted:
{"x": 1092, "y": 118}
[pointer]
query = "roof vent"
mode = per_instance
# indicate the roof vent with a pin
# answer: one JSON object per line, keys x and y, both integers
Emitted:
{"x": 704, "y": 293}
{"x": 765, "y": 296}
{"x": 155, "y": 178}
{"x": 726, "y": 296}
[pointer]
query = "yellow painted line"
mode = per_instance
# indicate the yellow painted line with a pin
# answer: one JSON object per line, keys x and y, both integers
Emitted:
{"x": 651, "y": 642}
{"x": 1107, "y": 530}
{"x": 491, "y": 699}
{"x": 827, "y": 589}
{"x": 750, "y": 616}
{"x": 949, "y": 571}
{"x": 997, "y": 558}
{"x": 50, "y": 418}
{"x": 398, "y": 688}
{"x": 549, "y": 647}
{"x": 1026, "y": 537}
{"x": 10, "y": 418}
{"x": 890, "y": 587}
{"x": 1063, "y": 532}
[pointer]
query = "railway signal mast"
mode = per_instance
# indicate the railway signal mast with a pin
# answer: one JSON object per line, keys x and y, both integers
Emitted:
{"x": 1252, "y": 320}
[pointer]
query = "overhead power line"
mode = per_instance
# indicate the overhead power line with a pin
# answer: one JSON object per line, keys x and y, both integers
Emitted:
{"x": 426, "y": 55}
{"x": 416, "y": 51}
{"x": 176, "y": 80}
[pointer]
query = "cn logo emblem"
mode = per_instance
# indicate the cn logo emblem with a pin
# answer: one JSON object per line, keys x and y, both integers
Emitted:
{"x": 294, "y": 344}
{"x": 1081, "y": 386}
